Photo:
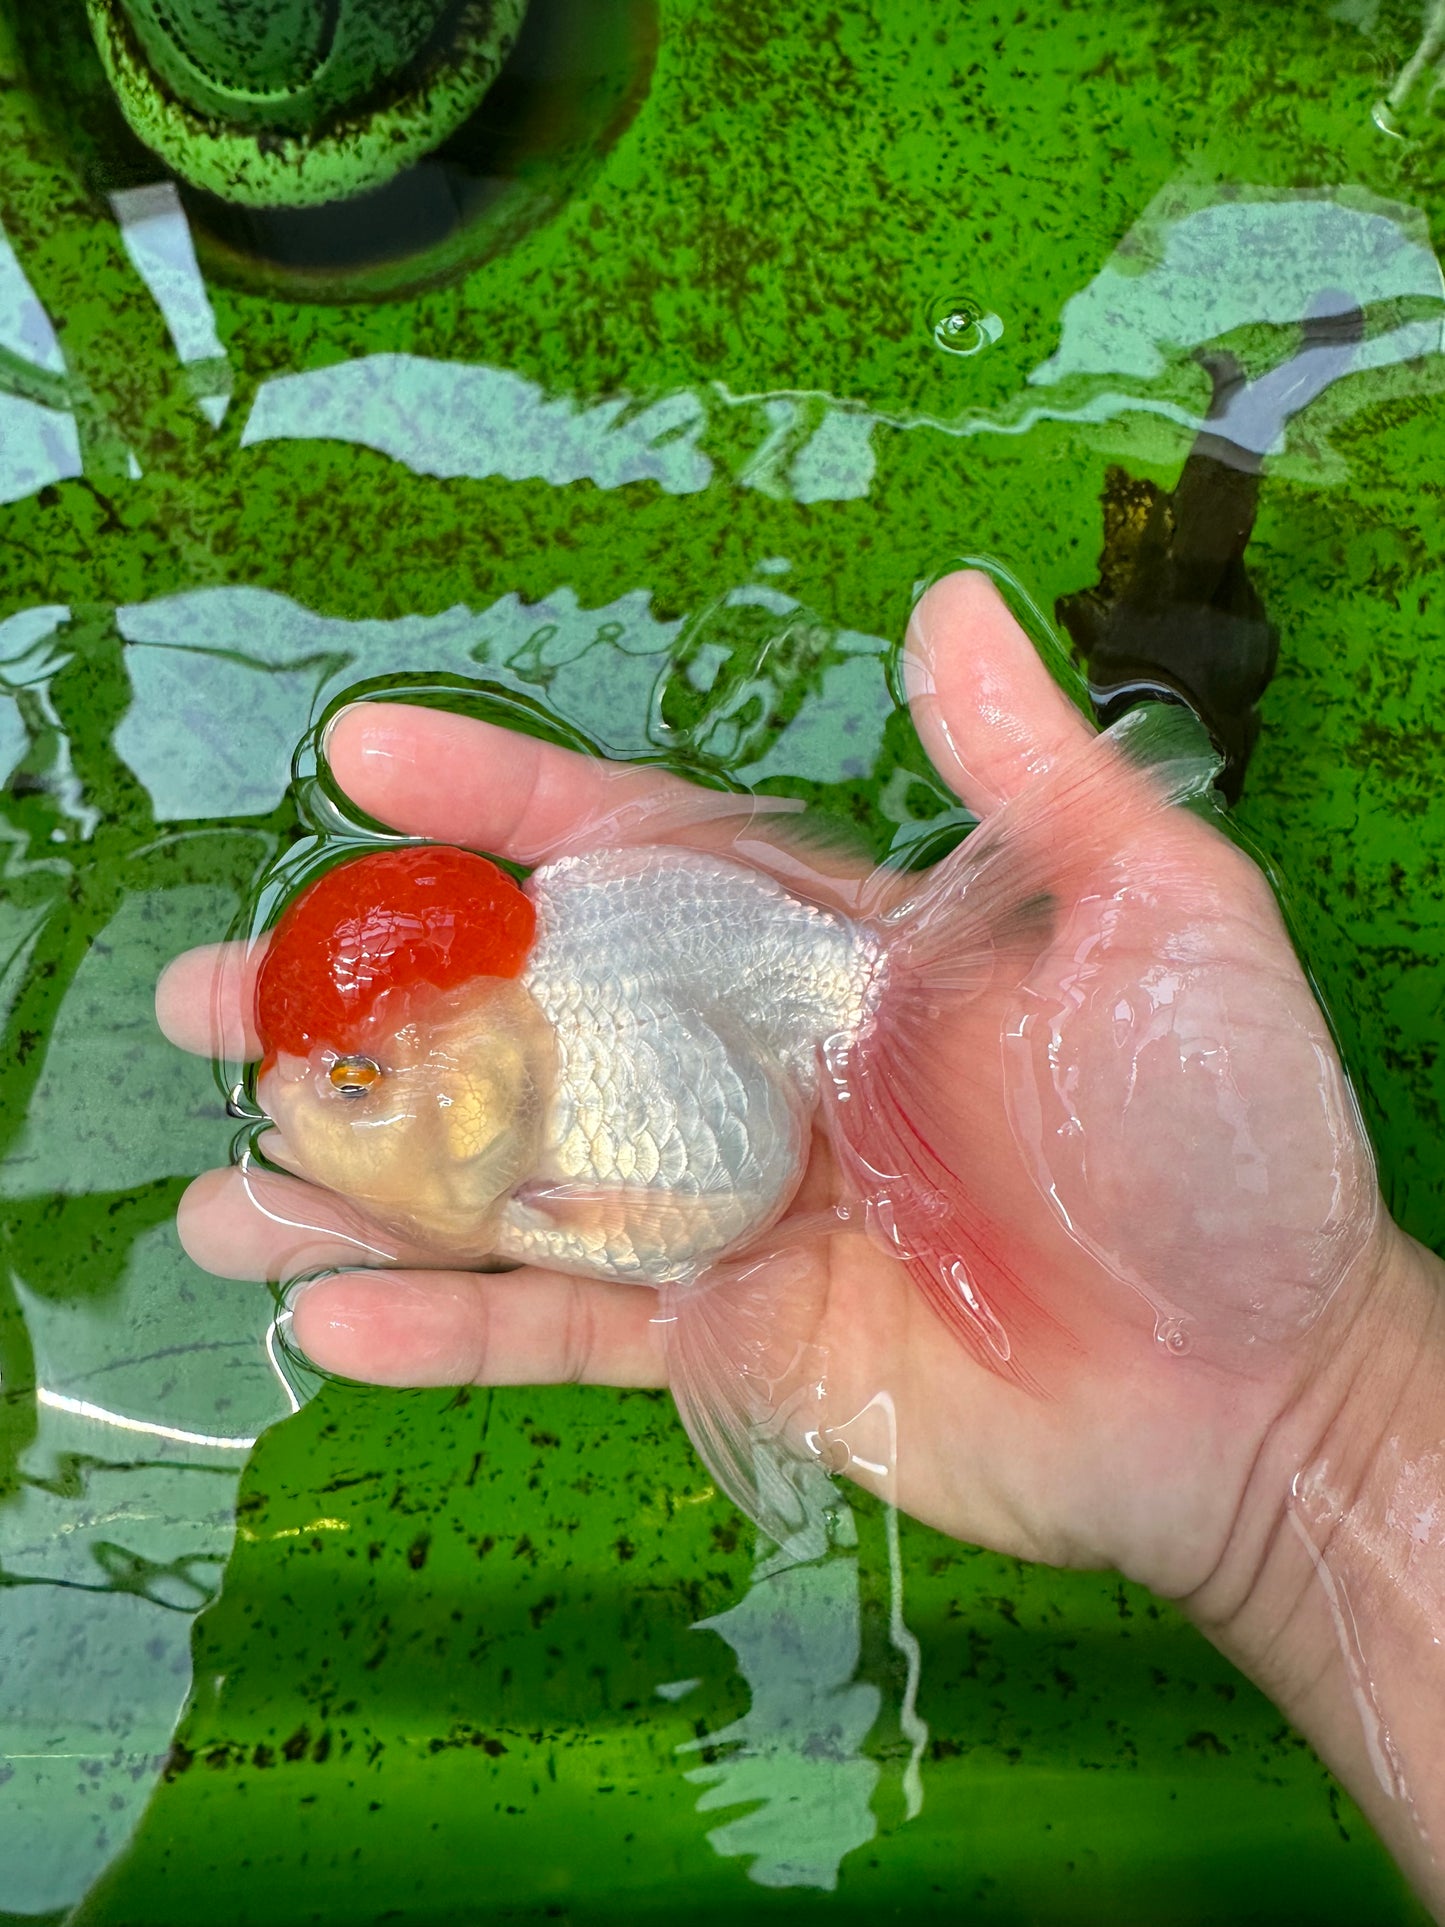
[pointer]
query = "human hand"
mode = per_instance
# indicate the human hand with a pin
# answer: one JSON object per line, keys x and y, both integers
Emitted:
{"x": 1165, "y": 1006}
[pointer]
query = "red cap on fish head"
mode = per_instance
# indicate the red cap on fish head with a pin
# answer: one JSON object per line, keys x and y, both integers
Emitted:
{"x": 394, "y": 920}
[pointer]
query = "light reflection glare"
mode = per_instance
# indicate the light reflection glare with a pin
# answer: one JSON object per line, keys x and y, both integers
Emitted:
{"x": 83, "y": 1408}
{"x": 451, "y": 419}
{"x": 156, "y": 235}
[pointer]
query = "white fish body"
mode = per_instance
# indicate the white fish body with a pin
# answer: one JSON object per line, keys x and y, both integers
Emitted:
{"x": 689, "y": 998}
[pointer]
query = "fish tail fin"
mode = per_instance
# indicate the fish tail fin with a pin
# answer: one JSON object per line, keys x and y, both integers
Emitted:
{"x": 903, "y": 1099}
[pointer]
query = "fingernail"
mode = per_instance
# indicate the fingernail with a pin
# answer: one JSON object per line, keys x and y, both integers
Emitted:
{"x": 328, "y": 728}
{"x": 286, "y": 1354}
{"x": 292, "y": 1295}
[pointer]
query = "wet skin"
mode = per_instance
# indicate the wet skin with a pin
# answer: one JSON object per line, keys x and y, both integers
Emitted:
{"x": 1174, "y": 1470}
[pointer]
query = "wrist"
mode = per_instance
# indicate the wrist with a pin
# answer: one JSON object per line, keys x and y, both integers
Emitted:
{"x": 1331, "y": 1591}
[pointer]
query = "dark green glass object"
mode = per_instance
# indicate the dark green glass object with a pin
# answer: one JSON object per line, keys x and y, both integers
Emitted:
{"x": 288, "y": 103}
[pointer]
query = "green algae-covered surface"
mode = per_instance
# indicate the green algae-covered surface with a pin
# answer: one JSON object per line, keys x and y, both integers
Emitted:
{"x": 659, "y": 457}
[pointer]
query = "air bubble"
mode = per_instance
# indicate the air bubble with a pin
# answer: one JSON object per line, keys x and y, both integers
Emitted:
{"x": 963, "y": 326}
{"x": 1175, "y": 1335}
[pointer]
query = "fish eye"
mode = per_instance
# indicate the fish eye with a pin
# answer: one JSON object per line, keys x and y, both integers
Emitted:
{"x": 351, "y": 1076}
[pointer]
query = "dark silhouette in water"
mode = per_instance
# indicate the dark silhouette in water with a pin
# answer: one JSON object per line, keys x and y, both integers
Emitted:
{"x": 1174, "y": 610}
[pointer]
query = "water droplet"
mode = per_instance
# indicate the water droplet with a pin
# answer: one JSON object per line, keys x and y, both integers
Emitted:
{"x": 240, "y": 1103}
{"x": 963, "y": 326}
{"x": 883, "y": 1217}
{"x": 1175, "y": 1335}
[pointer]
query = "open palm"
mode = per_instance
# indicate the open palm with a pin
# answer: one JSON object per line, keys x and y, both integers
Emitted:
{"x": 1146, "y": 1106}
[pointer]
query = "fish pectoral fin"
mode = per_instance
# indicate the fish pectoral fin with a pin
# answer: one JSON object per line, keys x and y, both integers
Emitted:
{"x": 750, "y": 1382}
{"x": 620, "y": 1202}
{"x": 674, "y": 1233}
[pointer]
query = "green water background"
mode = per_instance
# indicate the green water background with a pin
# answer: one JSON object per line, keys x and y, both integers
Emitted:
{"x": 667, "y": 467}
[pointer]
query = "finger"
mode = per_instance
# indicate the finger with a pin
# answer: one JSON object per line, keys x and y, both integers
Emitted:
{"x": 206, "y": 1000}
{"x": 457, "y": 1328}
{"x": 986, "y": 709}
{"x": 246, "y": 1222}
{"x": 432, "y": 774}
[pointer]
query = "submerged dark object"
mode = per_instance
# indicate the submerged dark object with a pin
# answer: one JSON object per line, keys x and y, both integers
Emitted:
{"x": 1174, "y": 611}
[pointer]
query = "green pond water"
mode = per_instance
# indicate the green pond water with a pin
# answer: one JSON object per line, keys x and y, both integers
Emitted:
{"x": 652, "y": 450}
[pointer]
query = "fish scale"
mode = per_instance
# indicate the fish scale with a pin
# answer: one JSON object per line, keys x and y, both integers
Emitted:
{"x": 687, "y": 998}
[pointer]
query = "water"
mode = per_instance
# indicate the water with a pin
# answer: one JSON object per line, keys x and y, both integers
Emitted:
{"x": 660, "y": 462}
{"x": 962, "y": 327}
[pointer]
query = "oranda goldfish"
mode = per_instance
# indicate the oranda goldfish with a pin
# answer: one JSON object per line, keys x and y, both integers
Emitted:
{"x": 610, "y": 1072}
{"x": 613, "y": 1068}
